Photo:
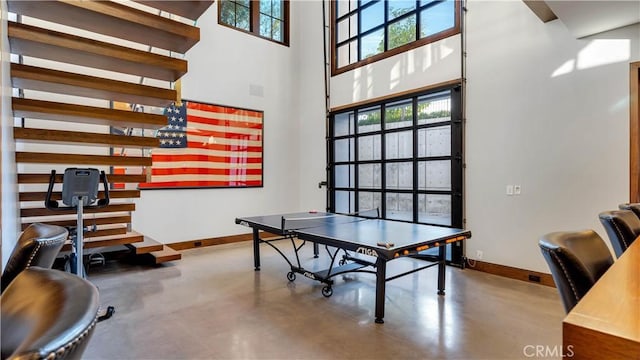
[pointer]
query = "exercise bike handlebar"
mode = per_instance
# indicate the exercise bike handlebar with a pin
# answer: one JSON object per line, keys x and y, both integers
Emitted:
{"x": 54, "y": 205}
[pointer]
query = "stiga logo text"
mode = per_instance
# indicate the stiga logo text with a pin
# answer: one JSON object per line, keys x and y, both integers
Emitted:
{"x": 366, "y": 251}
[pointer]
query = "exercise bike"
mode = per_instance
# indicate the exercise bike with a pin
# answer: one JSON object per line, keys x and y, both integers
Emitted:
{"x": 79, "y": 192}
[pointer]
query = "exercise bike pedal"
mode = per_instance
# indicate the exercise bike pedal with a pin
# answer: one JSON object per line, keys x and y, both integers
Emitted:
{"x": 107, "y": 314}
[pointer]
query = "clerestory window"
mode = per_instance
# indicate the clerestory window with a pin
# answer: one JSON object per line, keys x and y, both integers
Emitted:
{"x": 365, "y": 30}
{"x": 267, "y": 19}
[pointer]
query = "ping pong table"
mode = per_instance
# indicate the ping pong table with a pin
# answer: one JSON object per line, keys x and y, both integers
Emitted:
{"x": 379, "y": 240}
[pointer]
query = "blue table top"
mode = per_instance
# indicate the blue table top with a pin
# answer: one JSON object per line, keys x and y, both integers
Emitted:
{"x": 388, "y": 236}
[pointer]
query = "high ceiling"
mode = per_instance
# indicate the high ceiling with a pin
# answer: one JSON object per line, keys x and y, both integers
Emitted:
{"x": 589, "y": 17}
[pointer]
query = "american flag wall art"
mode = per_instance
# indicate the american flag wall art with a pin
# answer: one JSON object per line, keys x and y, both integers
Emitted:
{"x": 207, "y": 145}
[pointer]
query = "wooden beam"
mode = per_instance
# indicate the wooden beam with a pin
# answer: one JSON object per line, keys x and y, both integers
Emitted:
{"x": 541, "y": 9}
{"x": 113, "y": 19}
{"x": 189, "y": 9}
{"x": 104, "y": 241}
{"x": 51, "y": 158}
{"x": 44, "y": 178}
{"x": 75, "y": 137}
{"x": 47, "y": 44}
{"x": 105, "y": 232}
{"x": 146, "y": 246}
{"x": 49, "y": 110}
{"x": 89, "y": 221}
{"x": 57, "y": 195}
{"x": 63, "y": 82}
{"x": 30, "y": 212}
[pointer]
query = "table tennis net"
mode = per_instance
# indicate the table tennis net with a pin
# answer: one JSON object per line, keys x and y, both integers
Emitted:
{"x": 315, "y": 220}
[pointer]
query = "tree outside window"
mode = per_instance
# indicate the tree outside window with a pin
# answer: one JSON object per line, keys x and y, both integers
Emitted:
{"x": 366, "y": 31}
{"x": 264, "y": 18}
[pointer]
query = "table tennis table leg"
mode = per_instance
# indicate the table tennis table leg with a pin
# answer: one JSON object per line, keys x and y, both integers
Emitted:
{"x": 256, "y": 249}
{"x": 316, "y": 250}
{"x": 381, "y": 281}
{"x": 442, "y": 259}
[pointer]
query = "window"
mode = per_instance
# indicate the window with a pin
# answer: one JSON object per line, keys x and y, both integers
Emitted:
{"x": 268, "y": 19}
{"x": 402, "y": 156}
{"x": 366, "y": 30}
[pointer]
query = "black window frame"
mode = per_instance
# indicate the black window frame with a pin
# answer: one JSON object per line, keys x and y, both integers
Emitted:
{"x": 455, "y": 157}
{"x": 335, "y": 19}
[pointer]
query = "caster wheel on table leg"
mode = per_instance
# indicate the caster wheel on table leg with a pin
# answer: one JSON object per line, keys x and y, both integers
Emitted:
{"x": 327, "y": 291}
{"x": 291, "y": 276}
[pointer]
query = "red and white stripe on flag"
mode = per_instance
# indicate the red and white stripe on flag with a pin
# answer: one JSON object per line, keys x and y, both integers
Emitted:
{"x": 223, "y": 149}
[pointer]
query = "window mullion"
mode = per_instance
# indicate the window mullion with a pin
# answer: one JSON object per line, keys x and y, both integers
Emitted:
{"x": 356, "y": 161}
{"x": 383, "y": 163}
{"x": 414, "y": 130}
{"x": 255, "y": 16}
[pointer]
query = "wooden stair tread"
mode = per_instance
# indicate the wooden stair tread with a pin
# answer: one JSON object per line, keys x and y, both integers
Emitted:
{"x": 166, "y": 254}
{"x": 79, "y": 159}
{"x": 29, "y": 212}
{"x": 63, "y": 82}
{"x": 88, "y": 221}
{"x": 44, "y": 178}
{"x": 105, "y": 232}
{"x": 52, "y": 45}
{"x": 188, "y": 9}
{"x": 103, "y": 241}
{"x": 75, "y": 137}
{"x": 146, "y": 246}
{"x": 49, "y": 110}
{"x": 57, "y": 195}
{"x": 113, "y": 19}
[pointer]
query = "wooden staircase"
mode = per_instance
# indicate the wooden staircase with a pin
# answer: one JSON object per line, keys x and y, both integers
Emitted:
{"x": 78, "y": 59}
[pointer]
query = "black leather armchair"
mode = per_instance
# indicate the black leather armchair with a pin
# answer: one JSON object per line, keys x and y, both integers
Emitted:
{"x": 576, "y": 260}
{"x": 38, "y": 245}
{"x": 622, "y": 226}
{"x": 633, "y": 207}
{"x": 47, "y": 314}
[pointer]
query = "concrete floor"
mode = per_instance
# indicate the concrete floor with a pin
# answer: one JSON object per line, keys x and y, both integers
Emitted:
{"x": 213, "y": 305}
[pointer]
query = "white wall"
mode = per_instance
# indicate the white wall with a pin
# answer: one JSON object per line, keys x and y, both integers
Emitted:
{"x": 550, "y": 113}
{"x": 223, "y": 67}
{"x": 306, "y": 43}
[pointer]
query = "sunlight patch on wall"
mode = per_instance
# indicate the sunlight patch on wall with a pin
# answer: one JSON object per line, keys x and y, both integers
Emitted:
{"x": 565, "y": 68}
{"x": 356, "y": 90}
{"x": 597, "y": 53}
{"x": 395, "y": 74}
{"x": 445, "y": 50}
{"x": 426, "y": 56}
{"x": 370, "y": 79}
{"x": 620, "y": 105}
{"x": 602, "y": 52}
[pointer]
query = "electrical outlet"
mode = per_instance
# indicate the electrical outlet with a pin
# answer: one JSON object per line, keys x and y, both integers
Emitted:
{"x": 479, "y": 254}
{"x": 517, "y": 189}
{"x": 509, "y": 189}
